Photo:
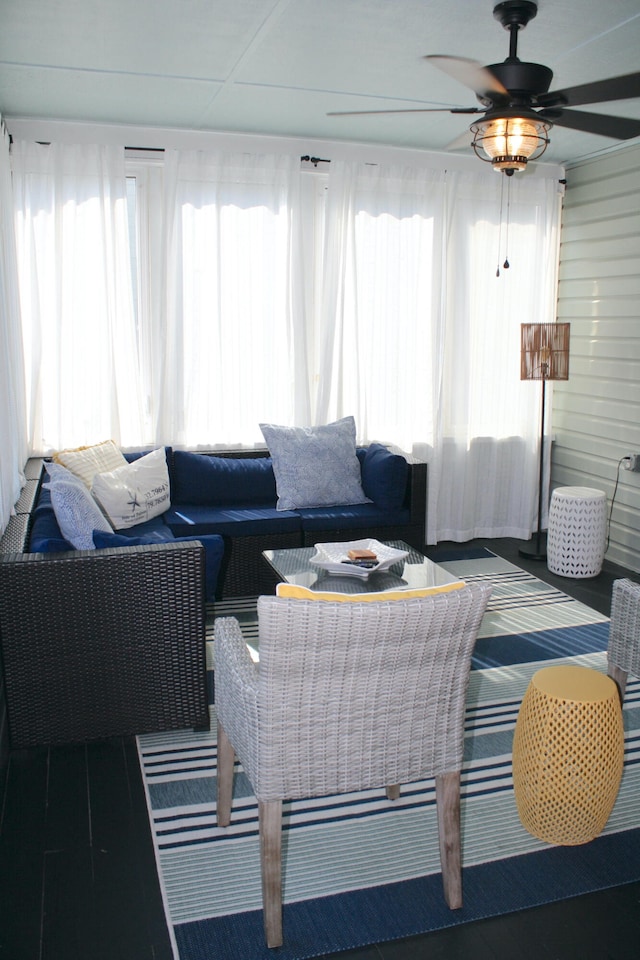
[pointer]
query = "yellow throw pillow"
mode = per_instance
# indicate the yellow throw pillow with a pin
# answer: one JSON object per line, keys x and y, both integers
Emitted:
{"x": 303, "y": 593}
{"x": 86, "y": 462}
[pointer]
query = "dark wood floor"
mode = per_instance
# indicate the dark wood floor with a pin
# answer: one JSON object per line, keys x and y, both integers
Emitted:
{"x": 78, "y": 878}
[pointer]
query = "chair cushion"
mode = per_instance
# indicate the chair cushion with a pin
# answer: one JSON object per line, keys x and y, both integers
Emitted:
{"x": 304, "y": 593}
{"x": 315, "y": 466}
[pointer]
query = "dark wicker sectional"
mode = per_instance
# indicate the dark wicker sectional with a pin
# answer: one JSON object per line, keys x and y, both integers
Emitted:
{"x": 111, "y": 642}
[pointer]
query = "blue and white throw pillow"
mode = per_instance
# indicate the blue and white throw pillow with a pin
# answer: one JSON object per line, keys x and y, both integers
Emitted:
{"x": 57, "y": 472}
{"x": 77, "y": 513}
{"x": 315, "y": 466}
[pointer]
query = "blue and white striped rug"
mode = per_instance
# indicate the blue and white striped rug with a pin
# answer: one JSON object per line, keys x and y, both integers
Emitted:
{"x": 359, "y": 869}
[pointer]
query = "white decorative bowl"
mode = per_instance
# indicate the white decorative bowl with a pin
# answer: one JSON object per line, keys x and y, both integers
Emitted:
{"x": 333, "y": 557}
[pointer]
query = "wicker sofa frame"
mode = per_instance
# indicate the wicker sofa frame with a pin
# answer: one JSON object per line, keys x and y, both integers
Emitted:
{"x": 103, "y": 643}
{"x": 244, "y": 572}
{"x": 111, "y": 642}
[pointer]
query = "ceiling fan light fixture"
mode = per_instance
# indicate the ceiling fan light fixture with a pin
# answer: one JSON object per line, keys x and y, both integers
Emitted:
{"x": 509, "y": 140}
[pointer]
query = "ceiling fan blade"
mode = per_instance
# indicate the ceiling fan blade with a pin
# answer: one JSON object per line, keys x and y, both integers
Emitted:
{"x": 619, "y": 128}
{"x": 483, "y": 83}
{"x": 461, "y": 142}
{"x": 360, "y": 113}
{"x": 600, "y": 91}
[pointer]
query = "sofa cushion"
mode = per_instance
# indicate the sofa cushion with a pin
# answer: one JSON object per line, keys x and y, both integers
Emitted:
{"x": 77, "y": 513}
{"x": 131, "y": 538}
{"x": 135, "y": 492}
{"x": 384, "y": 477}
{"x": 315, "y": 466}
{"x": 199, "y": 478}
{"x": 357, "y": 517}
{"x": 193, "y": 519}
{"x": 132, "y": 455}
{"x": 45, "y": 535}
{"x": 213, "y": 549}
{"x": 85, "y": 462}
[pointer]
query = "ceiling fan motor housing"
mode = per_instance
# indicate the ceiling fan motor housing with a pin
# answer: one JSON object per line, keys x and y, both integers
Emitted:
{"x": 523, "y": 80}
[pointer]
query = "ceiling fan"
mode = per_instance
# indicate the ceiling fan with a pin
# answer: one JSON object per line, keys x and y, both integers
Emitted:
{"x": 518, "y": 108}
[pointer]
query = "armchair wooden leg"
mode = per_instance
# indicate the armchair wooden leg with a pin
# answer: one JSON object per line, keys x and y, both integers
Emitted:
{"x": 448, "y": 806}
{"x": 270, "y": 821}
{"x": 619, "y": 676}
{"x": 226, "y": 758}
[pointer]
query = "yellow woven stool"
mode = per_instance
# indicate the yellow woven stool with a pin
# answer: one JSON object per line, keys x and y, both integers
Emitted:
{"x": 568, "y": 750}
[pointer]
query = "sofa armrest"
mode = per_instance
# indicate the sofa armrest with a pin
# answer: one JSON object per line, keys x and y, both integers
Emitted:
{"x": 103, "y": 643}
{"x": 418, "y": 493}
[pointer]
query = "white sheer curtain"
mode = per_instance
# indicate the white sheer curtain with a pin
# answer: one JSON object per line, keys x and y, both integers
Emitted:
{"x": 421, "y": 338}
{"x": 231, "y": 323}
{"x": 485, "y": 465}
{"x": 382, "y": 290}
{"x": 404, "y": 324}
{"x": 76, "y": 295}
{"x": 12, "y": 416}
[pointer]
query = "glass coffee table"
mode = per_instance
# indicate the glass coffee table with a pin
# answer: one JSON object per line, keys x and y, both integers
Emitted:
{"x": 415, "y": 571}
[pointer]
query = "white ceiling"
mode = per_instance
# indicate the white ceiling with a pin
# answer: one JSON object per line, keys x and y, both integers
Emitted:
{"x": 278, "y": 66}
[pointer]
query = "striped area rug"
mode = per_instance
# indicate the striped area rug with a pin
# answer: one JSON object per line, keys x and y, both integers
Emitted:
{"x": 359, "y": 869}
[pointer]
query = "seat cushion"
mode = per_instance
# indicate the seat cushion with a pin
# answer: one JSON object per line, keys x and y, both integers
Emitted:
{"x": 248, "y": 520}
{"x": 295, "y": 592}
{"x": 355, "y": 517}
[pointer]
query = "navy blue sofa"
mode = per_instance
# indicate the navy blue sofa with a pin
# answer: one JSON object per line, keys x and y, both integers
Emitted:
{"x": 227, "y": 501}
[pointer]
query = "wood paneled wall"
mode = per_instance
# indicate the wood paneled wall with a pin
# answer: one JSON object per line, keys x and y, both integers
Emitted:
{"x": 596, "y": 413}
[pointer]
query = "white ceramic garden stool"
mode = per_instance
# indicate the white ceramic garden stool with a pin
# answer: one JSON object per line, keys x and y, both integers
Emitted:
{"x": 577, "y": 532}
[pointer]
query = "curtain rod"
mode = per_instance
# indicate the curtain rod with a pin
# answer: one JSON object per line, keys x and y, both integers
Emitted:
{"x": 315, "y": 160}
{"x": 309, "y": 159}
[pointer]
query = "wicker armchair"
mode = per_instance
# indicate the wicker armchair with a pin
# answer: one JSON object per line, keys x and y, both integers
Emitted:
{"x": 347, "y": 696}
{"x": 623, "y": 651}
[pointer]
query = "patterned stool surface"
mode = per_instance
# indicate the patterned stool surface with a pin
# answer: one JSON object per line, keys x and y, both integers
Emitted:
{"x": 577, "y": 531}
{"x": 580, "y": 493}
{"x": 568, "y": 752}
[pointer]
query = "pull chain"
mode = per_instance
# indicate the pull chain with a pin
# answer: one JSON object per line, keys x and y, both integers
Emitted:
{"x": 506, "y": 258}
{"x": 500, "y": 226}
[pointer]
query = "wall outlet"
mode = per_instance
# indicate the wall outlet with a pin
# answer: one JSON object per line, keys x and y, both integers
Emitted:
{"x": 632, "y": 462}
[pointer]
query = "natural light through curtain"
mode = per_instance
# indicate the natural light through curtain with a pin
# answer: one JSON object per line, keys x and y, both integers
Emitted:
{"x": 381, "y": 295}
{"x": 262, "y": 298}
{"x": 484, "y": 468}
{"x": 233, "y": 311}
{"x": 421, "y": 325}
{"x": 12, "y": 416}
{"x": 76, "y": 295}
